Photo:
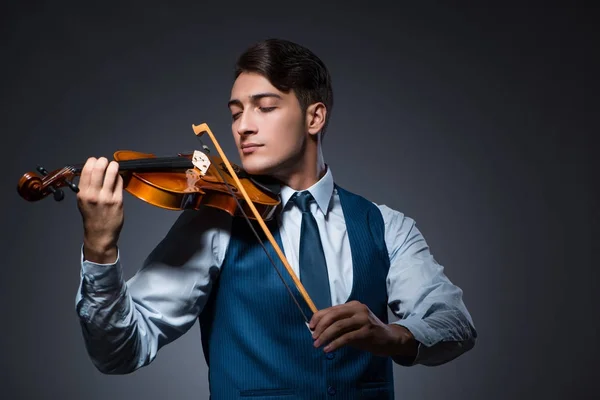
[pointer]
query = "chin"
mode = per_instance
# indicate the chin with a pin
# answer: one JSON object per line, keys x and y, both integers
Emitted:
{"x": 257, "y": 166}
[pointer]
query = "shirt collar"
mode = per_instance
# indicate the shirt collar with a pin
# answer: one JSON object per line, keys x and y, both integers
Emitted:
{"x": 322, "y": 191}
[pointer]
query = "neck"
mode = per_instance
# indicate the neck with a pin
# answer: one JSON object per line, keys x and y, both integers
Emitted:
{"x": 307, "y": 177}
{"x": 305, "y": 173}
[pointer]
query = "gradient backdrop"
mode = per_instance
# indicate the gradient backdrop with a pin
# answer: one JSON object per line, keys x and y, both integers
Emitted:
{"x": 476, "y": 122}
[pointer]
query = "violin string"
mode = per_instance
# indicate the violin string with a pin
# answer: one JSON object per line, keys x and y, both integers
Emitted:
{"x": 172, "y": 162}
{"x": 259, "y": 239}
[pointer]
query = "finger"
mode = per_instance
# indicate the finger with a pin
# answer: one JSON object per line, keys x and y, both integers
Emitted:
{"x": 118, "y": 193}
{"x": 321, "y": 313}
{"x": 317, "y": 317}
{"x": 97, "y": 175}
{"x": 110, "y": 177}
{"x": 337, "y": 329}
{"x": 346, "y": 339}
{"x": 86, "y": 173}
{"x": 330, "y": 316}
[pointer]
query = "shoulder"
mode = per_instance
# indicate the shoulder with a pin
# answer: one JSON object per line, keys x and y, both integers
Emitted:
{"x": 398, "y": 227}
{"x": 393, "y": 219}
{"x": 206, "y": 230}
{"x": 204, "y": 221}
{"x": 400, "y": 230}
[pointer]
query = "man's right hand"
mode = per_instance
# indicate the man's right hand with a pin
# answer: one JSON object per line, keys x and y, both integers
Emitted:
{"x": 100, "y": 201}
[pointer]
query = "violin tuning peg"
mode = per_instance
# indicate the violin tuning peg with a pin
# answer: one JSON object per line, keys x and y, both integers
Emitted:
{"x": 42, "y": 170}
{"x": 72, "y": 186}
{"x": 58, "y": 193}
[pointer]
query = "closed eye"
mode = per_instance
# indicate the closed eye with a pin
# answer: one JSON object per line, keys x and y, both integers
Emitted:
{"x": 262, "y": 109}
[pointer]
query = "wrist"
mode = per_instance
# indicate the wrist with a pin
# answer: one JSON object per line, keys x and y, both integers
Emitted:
{"x": 402, "y": 342}
{"x": 99, "y": 253}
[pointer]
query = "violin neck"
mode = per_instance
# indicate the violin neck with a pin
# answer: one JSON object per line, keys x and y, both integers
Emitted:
{"x": 163, "y": 164}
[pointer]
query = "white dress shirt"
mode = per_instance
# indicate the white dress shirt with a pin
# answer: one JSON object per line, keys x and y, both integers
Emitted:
{"x": 164, "y": 298}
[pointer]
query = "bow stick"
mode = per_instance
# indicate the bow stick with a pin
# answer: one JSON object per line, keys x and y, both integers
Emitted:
{"x": 199, "y": 130}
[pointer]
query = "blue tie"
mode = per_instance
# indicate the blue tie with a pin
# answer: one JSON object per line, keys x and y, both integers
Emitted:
{"x": 313, "y": 267}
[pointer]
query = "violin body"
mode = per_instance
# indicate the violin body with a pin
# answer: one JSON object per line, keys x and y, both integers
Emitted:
{"x": 190, "y": 190}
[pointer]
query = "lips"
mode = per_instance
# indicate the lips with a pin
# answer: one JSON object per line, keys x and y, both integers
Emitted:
{"x": 248, "y": 145}
{"x": 248, "y": 148}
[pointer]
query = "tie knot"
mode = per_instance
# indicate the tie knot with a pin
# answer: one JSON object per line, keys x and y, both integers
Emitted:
{"x": 302, "y": 200}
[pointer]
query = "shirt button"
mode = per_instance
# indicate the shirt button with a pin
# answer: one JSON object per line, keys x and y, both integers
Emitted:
{"x": 331, "y": 390}
{"x": 330, "y": 356}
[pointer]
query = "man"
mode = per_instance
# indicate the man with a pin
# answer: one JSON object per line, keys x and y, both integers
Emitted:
{"x": 362, "y": 259}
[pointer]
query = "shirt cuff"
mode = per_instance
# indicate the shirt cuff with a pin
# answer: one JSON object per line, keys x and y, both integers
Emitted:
{"x": 424, "y": 335}
{"x": 102, "y": 275}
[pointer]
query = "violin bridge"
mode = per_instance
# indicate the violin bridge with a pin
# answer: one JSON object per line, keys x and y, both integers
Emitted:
{"x": 200, "y": 161}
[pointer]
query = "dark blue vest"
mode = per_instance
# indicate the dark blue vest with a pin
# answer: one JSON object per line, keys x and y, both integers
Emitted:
{"x": 254, "y": 338}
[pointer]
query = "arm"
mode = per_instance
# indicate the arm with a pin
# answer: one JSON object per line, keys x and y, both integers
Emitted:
{"x": 429, "y": 306}
{"x": 124, "y": 324}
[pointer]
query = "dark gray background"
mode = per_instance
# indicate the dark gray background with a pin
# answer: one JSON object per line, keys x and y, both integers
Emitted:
{"x": 476, "y": 122}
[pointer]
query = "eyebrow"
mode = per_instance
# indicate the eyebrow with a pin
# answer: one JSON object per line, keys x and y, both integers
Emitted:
{"x": 254, "y": 98}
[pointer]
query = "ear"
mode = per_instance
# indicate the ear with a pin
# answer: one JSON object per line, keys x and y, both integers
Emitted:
{"x": 316, "y": 114}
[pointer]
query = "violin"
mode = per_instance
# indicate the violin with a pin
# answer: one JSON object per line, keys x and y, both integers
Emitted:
{"x": 185, "y": 181}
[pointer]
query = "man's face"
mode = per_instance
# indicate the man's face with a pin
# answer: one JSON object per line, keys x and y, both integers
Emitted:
{"x": 268, "y": 126}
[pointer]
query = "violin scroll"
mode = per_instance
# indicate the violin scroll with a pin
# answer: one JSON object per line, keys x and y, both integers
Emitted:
{"x": 32, "y": 187}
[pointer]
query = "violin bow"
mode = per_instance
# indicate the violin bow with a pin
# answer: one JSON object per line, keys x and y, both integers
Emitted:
{"x": 199, "y": 130}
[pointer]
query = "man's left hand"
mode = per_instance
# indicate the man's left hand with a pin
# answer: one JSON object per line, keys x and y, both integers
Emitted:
{"x": 355, "y": 324}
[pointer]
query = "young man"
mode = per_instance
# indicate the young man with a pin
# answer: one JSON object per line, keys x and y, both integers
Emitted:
{"x": 361, "y": 259}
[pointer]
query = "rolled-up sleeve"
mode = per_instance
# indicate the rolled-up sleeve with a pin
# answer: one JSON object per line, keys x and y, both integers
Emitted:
{"x": 423, "y": 298}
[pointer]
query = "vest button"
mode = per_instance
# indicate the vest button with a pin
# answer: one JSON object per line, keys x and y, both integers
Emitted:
{"x": 331, "y": 390}
{"x": 330, "y": 356}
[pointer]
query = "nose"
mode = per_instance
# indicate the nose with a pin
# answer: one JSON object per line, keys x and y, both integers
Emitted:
{"x": 246, "y": 125}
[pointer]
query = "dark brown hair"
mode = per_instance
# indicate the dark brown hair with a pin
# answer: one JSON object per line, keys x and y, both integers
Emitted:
{"x": 290, "y": 66}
